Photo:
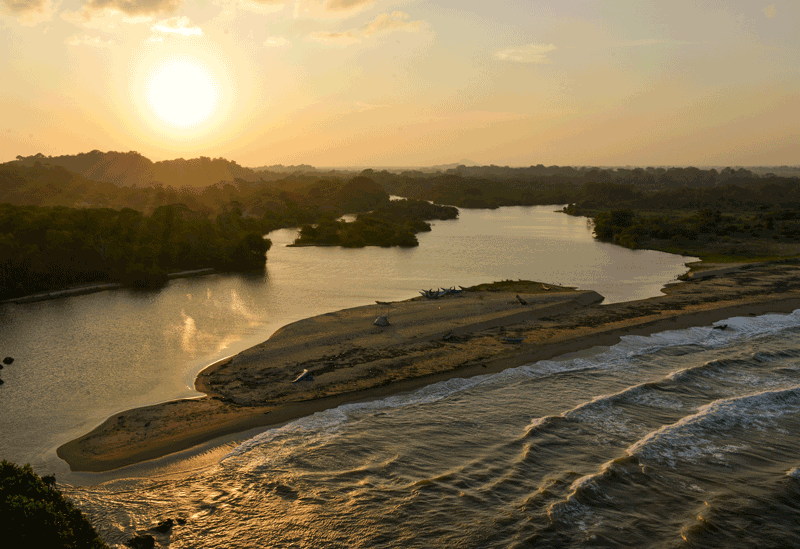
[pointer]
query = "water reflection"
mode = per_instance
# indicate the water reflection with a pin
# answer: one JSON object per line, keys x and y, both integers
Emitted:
{"x": 187, "y": 334}
{"x": 82, "y": 359}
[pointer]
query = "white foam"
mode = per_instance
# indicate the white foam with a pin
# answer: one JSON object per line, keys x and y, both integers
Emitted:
{"x": 570, "y": 509}
{"x": 703, "y": 337}
{"x": 691, "y": 438}
{"x": 324, "y": 425}
{"x": 597, "y": 410}
{"x": 656, "y": 400}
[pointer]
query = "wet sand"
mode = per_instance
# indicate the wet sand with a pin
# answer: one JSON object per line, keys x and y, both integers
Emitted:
{"x": 427, "y": 341}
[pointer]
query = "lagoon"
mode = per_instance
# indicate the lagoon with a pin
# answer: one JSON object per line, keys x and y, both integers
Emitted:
{"x": 84, "y": 358}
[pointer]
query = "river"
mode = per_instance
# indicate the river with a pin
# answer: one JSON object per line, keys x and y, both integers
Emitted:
{"x": 81, "y": 359}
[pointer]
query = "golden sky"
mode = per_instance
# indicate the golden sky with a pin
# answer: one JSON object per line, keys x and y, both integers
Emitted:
{"x": 404, "y": 82}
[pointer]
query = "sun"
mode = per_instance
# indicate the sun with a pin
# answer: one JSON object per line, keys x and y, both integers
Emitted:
{"x": 182, "y": 92}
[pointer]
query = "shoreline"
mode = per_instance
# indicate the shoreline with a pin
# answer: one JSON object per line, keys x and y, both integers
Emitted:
{"x": 95, "y": 288}
{"x": 352, "y": 360}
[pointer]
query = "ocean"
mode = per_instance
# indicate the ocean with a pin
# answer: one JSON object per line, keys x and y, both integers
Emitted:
{"x": 685, "y": 438}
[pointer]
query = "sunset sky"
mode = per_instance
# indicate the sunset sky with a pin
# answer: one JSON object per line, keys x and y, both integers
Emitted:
{"x": 404, "y": 82}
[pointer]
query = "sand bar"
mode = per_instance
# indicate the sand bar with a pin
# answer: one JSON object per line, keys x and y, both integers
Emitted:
{"x": 427, "y": 341}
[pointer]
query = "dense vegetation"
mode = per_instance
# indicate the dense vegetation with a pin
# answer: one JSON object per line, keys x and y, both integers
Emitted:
{"x": 288, "y": 201}
{"x": 703, "y": 232}
{"x": 473, "y": 192}
{"x": 49, "y": 248}
{"x": 33, "y": 513}
{"x": 751, "y": 212}
{"x": 46, "y": 248}
{"x": 591, "y": 188}
{"x": 757, "y": 219}
{"x": 730, "y": 213}
{"x": 133, "y": 169}
{"x": 395, "y": 224}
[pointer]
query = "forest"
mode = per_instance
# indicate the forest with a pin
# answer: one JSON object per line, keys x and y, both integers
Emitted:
{"x": 45, "y": 248}
{"x": 105, "y": 217}
{"x": 731, "y": 214}
{"x": 132, "y": 169}
{"x": 54, "y": 246}
{"x": 394, "y": 224}
{"x": 734, "y": 222}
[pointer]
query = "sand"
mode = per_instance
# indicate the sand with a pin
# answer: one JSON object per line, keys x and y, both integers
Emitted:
{"x": 427, "y": 341}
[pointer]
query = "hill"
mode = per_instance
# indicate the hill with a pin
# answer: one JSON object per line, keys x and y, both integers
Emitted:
{"x": 132, "y": 169}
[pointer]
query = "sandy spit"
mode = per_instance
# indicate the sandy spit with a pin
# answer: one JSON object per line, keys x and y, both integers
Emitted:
{"x": 427, "y": 341}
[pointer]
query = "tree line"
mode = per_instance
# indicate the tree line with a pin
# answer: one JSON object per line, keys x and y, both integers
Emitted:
{"x": 591, "y": 188}
{"x": 394, "y": 224}
{"x": 631, "y": 206}
{"x": 757, "y": 220}
{"x": 43, "y": 248}
{"x": 46, "y": 248}
{"x": 293, "y": 198}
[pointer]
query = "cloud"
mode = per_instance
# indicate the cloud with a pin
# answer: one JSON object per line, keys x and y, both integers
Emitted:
{"x": 385, "y": 22}
{"x": 275, "y": 41}
{"x": 347, "y": 5}
{"x": 396, "y": 21}
{"x": 24, "y": 6}
{"x": 107, "y": 22}
{"x": 256, "y": 6}
{"x": 133, "y": 7}
{"x": 336, "y": 8}
{"x": 177, "y": 25}
{"x": 30, "y": 12}
{"x": 771, "y": 11}
{"x": 263, "y": 6}
{"x": 348, "y": 37}
{"x": 532, "y": 53}
{"x": 87, "y": 40}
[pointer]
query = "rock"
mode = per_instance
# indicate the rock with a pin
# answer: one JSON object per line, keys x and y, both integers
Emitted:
{"x": 164, "y": 526}
{"x": 8, "y": 360}
{"x": 381, "y": 321}
{"x": 1, "y": 381}
{"x": 144, "y": 541}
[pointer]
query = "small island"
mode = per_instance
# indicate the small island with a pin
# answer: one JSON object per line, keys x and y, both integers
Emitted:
{"x": 394, "y": 224}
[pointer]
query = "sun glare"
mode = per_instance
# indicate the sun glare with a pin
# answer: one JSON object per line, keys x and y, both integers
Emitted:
{"x": 182, "y": 92}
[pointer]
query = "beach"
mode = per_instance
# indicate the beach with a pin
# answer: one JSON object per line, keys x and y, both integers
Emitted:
{"x": 426, "y": 341}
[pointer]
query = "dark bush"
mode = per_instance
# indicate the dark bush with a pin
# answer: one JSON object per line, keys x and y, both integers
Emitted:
{"x": 33, "y": 513}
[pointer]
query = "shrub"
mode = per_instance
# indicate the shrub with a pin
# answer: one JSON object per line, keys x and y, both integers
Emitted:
{"x": 33, "y": 513}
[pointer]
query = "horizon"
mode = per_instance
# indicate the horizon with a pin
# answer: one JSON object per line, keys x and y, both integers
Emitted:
{"x": 448, "y": 165}
{"x": 404, "y": 83}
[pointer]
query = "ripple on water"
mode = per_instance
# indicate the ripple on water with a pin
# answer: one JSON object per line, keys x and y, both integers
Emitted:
{"x": 633, "y": 447}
